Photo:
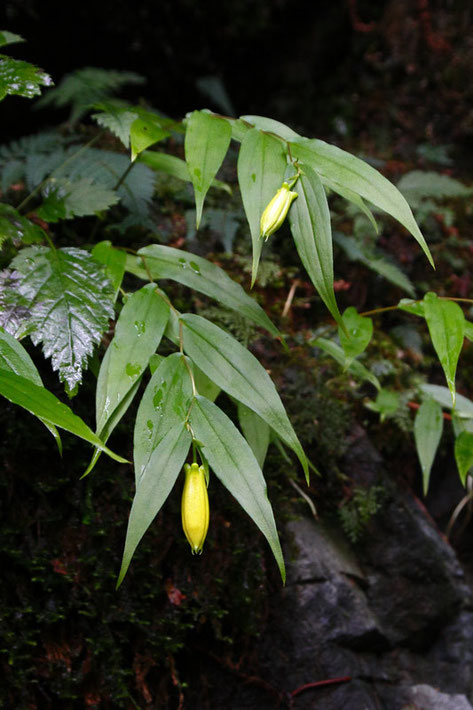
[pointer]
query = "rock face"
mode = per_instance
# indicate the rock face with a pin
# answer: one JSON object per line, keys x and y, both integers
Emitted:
{"x": 394, "y": 615}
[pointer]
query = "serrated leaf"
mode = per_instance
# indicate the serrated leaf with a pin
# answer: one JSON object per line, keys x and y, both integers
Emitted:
{"x": 164, "y": 262}
{"x": 14, "y": 358}
{"x": 356, "y": 368}
{"x": 146, "y": 130}
{"x": 256, "y": 432}
{"x": 233, "y": 462}
{"x": 138, "y": 332}
{"x": 21, "y": 78}
{"x": 18, "y": 228}
{"x": 428, "y": 427}
{"x": 42, "y": 403}
{"x": 114, "y": 261}
{"x": 164, "y": 404}
{"x": 262, "y": 164}
{"x": 71, "y": 303}
{"x": 153, "y": 487}
{"x": 65, "y": 199}
{"x": 14, "y": 308}
{"x": 233, "y": 368}
{"x": 463, "y": 405}
{"x": 464, "y": 454}
{"x": 357, "y": 334}
{"x": 118, "y": 121}
{"x": 446, "y": 324}
{"x": 309, "y": 218}
{"x": 348, "y": 170}
{"x": 206, "y": 144}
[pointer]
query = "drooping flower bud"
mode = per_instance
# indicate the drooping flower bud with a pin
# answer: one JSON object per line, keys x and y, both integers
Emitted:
{"x": 195, "y": 507}
{"x": 276, "y": 211}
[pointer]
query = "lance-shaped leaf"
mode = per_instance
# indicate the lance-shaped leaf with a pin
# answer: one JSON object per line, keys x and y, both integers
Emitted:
{"x": 357, "y": 368}
{"x": 256, "y": 432}
{"x": 206, "y": 144}
{"x": 269, "y": 125}
{"x": 71, "y": 303}
{"x": 233, "y": 368}
{"x": 349, "y": 171}
{"x": 42, "y": 403}
{"x": 262, "y": 164}
{"x": 114, "y": 261}
{"x": 233, "y": 462}
{"x": 464, "y": 454}
{"x": 463, "y": 405}
{"x": 357, "y": 334}
{"x": 162, "y": 262}
{"x": 14, "y": 358}
{"x": 172, "y": 165}
{"x": 164, "y": 404}
{"x": 138, "y": 332}
{"x": 428, "y": 427}
{"x": 353, "y": 197}
{"x": 311, "y": 228}
{"x": 446, "y": 324}
{"x": 153, "y": 487}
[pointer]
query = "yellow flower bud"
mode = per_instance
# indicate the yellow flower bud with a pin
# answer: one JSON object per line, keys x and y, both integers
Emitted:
{"x": 195, "y": 507}
{"x": 276, "y": 211}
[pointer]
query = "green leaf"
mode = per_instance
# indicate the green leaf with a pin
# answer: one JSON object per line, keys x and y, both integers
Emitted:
{"x": 71, "y": 303}
{"x": 164, "y": 262}
{"x": 9, "y": 38}
{"x": 357, "y": 334}
{"x": 42, "y": 403}
{"x": 233, "y": 368}
{"x": 172, "y": 165}
{"x": 233, "y": 462}
{"x": 18, "y": 228}
{"x": 428, "y": 427}
{"x": 356, "y": 368}
{"x": 309, "y": 218}
{"x": 21, "y": 78}
{"x": 464, "y": 454}
{"x": 446, "y": 324}
{"x": 418, "y": 185}
{"x": 256, "y": 432}
{"x": 351, "y": 172}
{"x": 65, "y": 199}
{"x": 463, "y": 405}
{"x": 414, "y": 307}
{"x": 14, "y": 358}
{"x": 386, "y": 404}
{"x": 469, "y": 330}
{"x": 118, "y": 121}
{"x": 206, "y": 144}
{"x": 146, "y": 130}
{"x": 262, "y": 164}
{"x": 164, "y": 404}
{"x": 114, "y": 261}
{"x": 269, "y": 125}
{"x": 138, "y": 332}
{"x": 353, "y": 197}
{"x": 154, "y": 486}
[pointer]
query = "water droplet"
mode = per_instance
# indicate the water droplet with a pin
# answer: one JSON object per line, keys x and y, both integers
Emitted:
{"x": 157, "y": 399}
{"x": 140, "y": 326}
{"x": 197, "y": 172}
{"x": 253, "y": 177}
{"x": 183, "y": 263}
{"x": 194, "y": 267}
{"x": 133, "y": 370}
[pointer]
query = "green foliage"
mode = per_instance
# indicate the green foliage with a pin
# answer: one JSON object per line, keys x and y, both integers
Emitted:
{"x": 356, "y": 513}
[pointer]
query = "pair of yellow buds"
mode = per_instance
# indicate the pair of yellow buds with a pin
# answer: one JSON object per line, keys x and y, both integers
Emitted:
{"x": 276, "y": 211}
{"x": 195, "y": 507}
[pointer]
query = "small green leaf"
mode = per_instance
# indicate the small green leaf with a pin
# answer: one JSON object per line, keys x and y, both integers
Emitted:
{"x": 9, "y": 38}
{"x": 262, "y": 164}
{"x": 43, "y": 404}
{"x": 469, "y": 330}
{"x": 21, "y": 78}
{"x": 233, "y": 462}
{"x": 114, "y": 261}
{"x": 117, "y": 120}
{"x": 357, "y": 334}
{"x": 464, "y": 454}
{"x": 428, "y": 427}
{"x": 206, "y": 144}
{"x": 386, "y": 404}
{"x": 162, "y": 262}
{"x": 233, "y": 368}
{"x": 164, "y": 404}
{"x": 18, "y": 228}
{"x": 356, "y": 368}
{"x": 414, "y": 307}
{"x": 311, "y": 228}
{"x": 146, "y": 130}
{"x": 446, "y": 324}
{"x": 154, "y": 486}
{"x": 65, "y": 199}
{"x": 349, "y": 171}
{"x": 256, "y": 432}
{"x": 463, "y": 405}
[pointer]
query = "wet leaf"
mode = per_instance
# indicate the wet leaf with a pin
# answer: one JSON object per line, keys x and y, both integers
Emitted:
{"x": 428, "y": 427}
